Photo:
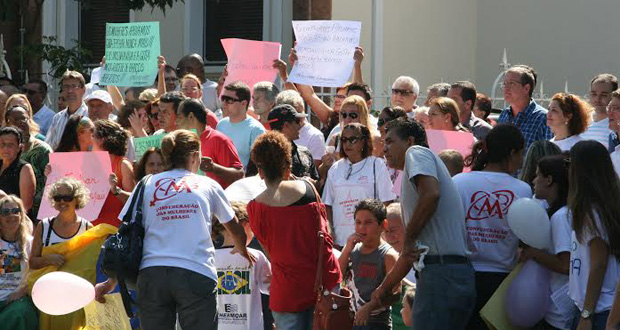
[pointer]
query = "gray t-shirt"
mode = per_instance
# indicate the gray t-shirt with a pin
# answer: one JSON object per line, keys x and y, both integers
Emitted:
{"x": 444, "y": 233}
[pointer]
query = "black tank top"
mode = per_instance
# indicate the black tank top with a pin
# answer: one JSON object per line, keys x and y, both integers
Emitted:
{"x": 9, "y": 179}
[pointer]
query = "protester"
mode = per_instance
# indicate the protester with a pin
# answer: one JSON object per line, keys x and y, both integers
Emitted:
{"x": 453, "y": 160}
{"x": 483, "y": 108}
{"x": 238, "y": 126}
{"x": 551, "y": 184}
{"x": 420, "y": 114}
{"x": 568, "y": 117}
{"x": 405, "y": 91}
{"x": 285, "y": 219}
{"x": 592, "y": 199}
{"x": 35, "y": 152}
{"x": 487, "y": 193}
{"x": 132, "y": 117}
{"x": 601, "y": 87}
{"x": 356, "y": 176}
{"x": 167, "y": 111}
{"x": 523, "y": 111}
{"x": 150, "y": 163}
{"x": 16, "y": 176}
{"x": 444, "y": 115}
{"x": 354, "y": 109}
{"x": 67, "y": 195}
{"x": 433, "y": 214}
{"x": 535, "y": 153}
{"x": 220, "y": 160}
{"x": 264, "y": 99}
{"x": 230, "y": 268}
{"x": 77, "y": 136}
{"x": 436, "y": 90}
{"x": 177, "y": 272}
{"x": 388, "y": 114}
{"x": 194, "y": 64}
{"x": 72, "y": 84}
{"x": 111, "y": 137}
{"x": 16, "y": 308}
{"x": 366, "y": 253}
{"x": 22, "y": 101}
{"x": 100, "y": 105}
{"x": 152, "y": 112}
{"x": 191, "y": 88}
{"x": 464, "y": 94}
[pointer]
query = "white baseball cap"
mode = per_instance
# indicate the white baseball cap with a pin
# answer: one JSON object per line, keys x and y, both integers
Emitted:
{"x": 99, "y": 95}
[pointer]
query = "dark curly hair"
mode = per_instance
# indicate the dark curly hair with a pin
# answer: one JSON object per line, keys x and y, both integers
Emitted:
{"x": 114, "y": 138}
{"x": 127, "y": 110}
{"x": 575, "y": 106}
{"x": 272, "y": 152}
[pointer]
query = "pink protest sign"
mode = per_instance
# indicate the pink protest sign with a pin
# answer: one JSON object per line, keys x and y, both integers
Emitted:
{"x": 442, "y": 140}
{"x": 251, "y": 61}
{"x": 92, "y": 168}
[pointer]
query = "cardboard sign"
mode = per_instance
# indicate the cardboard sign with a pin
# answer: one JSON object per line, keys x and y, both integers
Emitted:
{"x": 110, "y": 315}
{"x": 251, "y": 61}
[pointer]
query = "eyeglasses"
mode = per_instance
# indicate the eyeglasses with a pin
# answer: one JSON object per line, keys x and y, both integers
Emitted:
{"x": 402, "y": 92}
{"x": 510, "y": 84}
{"x": 66, "y": 198}
{"x": 351, "y": 140}
{"x": 229, "y": 100}
{"x": 352, "y": 115}
{"x": 6, "y": 212}
{"x": 71, "y": 86}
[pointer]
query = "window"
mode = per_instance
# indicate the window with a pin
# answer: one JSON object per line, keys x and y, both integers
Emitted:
{"x": 93, "y": 18}
{"x": 230, "y": 19}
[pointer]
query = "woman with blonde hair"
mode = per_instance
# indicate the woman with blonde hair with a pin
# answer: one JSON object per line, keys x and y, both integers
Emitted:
{"x": 16, "y": 308}
{"x": 443, "y": 115}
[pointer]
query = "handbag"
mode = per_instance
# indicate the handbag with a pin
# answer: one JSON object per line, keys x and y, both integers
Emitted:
{"x": 332, "y": 311}
{"x": 122, "y": 252}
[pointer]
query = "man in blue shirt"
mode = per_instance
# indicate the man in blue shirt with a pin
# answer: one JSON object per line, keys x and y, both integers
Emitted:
{"x": 523, "y": 111}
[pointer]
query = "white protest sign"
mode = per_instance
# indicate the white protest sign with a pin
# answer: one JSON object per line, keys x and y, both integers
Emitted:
{"x": 325, "y": 52}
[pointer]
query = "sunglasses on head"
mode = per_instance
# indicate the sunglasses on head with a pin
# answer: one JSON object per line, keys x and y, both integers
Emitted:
{"x": 352, "y": 115}
{"x": 66, "y": 198}
{"x": 6, "y": 212}
{"x": 351, "y": 140}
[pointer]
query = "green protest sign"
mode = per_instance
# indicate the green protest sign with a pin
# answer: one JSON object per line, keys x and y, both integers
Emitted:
{"x": 142, "y": 144}
{"x": 131, "y": 51}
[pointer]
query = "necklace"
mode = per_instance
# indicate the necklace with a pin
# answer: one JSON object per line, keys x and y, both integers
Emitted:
{"x": 350, "y": 170}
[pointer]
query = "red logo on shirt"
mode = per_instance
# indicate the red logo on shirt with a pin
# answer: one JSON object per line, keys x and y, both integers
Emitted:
{"x": 168, "y": 188}
{"x": 485, "y": 205}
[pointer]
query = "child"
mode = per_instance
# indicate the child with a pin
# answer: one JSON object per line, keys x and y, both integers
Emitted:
{"x": 366, "y": 264}
{"x": 406, "y": 312}
{"x": 239, "y": 285}
{"x": 453, "y": 161}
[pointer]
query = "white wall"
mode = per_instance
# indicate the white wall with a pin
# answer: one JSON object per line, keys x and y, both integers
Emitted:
{"x": 171, "y": 29}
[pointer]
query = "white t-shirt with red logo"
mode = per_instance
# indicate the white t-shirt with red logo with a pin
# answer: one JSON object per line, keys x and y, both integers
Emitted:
{"x": 486, "y": 197}
{"x": 239, "y": 288}
{"x": 177, "y": 210}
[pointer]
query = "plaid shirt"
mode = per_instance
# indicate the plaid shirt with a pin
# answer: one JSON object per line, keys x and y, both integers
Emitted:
{"x": 532, "y": 122}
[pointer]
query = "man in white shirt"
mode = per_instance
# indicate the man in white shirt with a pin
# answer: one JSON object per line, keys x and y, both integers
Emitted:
{"x": 36, "y": 91}
{"x": 613, "y": 111}
{"x": 309, "y": 136}
{"x": 601, "y": 87}
{"x": 195, "y": 65}
{"x": 73, "y": 88}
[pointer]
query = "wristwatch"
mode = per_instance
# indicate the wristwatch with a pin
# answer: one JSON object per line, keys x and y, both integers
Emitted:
{"x": 586, "y": 314}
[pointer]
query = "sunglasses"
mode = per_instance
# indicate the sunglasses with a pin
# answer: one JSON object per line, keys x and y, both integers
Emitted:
{"x": 66, "y": 198}
{"x": 228, "y": 99}
{"x": 6, "y": 212}
{"x": 381, "y": 121}
{"x": 402, "y": 92}
{"x": 351, "y": 140}
{"x": 352, "y": 115}
{"x": 154, "y": 115}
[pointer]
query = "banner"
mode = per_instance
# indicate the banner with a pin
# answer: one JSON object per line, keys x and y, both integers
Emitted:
{"x": 93, "y": 168}
{"x": 131, "y": 51}
{"x": 325, "y": 52}
{"x": 251, "y": 61}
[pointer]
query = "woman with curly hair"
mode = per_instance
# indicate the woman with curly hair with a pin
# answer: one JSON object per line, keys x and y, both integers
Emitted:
{"x": 111, "y": 137}
{"x": 151, "y": 163}
{"x": 568, "y": 117}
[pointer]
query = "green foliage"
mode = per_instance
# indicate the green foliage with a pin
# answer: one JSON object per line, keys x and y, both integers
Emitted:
{"x": 60, "y": 58}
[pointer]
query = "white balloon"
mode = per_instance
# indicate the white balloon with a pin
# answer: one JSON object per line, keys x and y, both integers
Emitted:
{"x": 59, "y": 293}
{"x": 530, "y": 222}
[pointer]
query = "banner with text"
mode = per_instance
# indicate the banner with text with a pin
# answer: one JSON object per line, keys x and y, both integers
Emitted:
{"x": 251, "y": 61}
{"x": 325, "y": 52}
{"x": 131, "y": 51}
{"x": 92, "y": 168}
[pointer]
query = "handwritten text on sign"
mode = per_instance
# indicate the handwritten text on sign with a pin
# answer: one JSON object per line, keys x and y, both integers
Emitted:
{"x": 131, "y": 51}
{"x": 251, "y": 61}
{"x": 110, "y": 315}
{"x": 92, "y": 168}
{"x": 325, "y": 50}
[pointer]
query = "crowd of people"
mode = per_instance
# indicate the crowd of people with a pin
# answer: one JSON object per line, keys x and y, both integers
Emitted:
{"x": 354, "y": 203}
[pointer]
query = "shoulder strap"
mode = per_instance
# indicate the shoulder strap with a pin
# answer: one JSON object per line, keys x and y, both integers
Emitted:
{"x": 49, "y": 231}
{"x": 318, "y": 280}
{"x": 374, "y": 176}
{"x": 136, "y": 202}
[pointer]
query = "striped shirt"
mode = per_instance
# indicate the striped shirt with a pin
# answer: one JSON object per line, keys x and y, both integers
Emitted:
{"x": 598, "y": 131}
{"x": 58, "y": 125}
{"x": 532, "y": 122}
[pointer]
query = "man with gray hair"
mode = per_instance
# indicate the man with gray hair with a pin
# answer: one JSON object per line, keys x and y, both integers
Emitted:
{"x": 309, "y": 136}
{"x": 263, "y": 100}
{"x": 522, "y": 110}
{"x": 405, "y": 91}
{"x": 436, "y": 90}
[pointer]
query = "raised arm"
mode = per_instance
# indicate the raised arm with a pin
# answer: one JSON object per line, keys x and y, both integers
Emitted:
{"x": 161, "y": 75}
{"x": 357, "y": 68}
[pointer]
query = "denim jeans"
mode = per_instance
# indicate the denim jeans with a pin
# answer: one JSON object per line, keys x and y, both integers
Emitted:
{"x": 445, "y": 297}
{"x": 294, "y": 321}
{"x": 165, "y": 291}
